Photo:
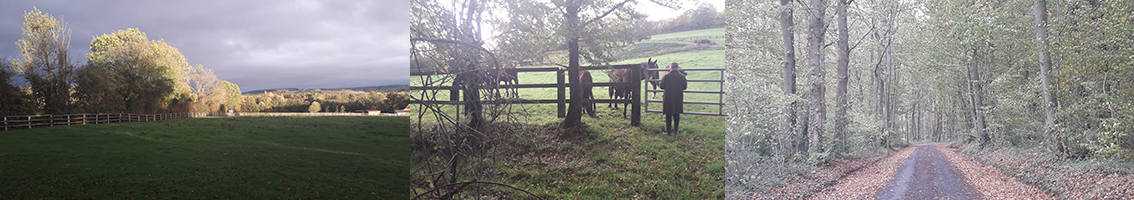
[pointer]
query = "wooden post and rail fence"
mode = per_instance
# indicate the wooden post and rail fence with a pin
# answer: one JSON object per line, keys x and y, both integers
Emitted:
{"x": 34, "y": 121}
{"x": 561, "y": 87}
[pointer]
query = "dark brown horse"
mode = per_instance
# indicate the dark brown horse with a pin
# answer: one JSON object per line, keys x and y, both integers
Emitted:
{"x": 620, "y": 91}
{"x": 588, "y": 96}
{"x": 508, "y": 75}
{"x": 646, "y": 73}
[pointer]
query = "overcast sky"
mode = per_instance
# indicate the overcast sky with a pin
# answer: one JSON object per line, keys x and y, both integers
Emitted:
{"x": 257, "y": 44}
{"x": 657, "y": 12}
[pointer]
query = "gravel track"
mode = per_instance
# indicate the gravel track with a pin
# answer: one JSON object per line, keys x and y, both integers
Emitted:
{"x": 927, "y": 175}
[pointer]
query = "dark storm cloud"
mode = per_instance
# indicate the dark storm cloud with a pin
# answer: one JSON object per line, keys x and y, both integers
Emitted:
{"x": 257, "y": 44}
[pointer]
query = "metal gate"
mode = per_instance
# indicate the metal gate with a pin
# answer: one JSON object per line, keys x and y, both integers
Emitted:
{"x": 720, "y": 91}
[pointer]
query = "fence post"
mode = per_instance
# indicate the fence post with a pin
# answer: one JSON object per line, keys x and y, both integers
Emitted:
{"x": 636, "y": 96}
{"x": 720, "y": 99}
{"x": 559, "y": 78}
{"x": 29, "y": 122}
{"x": 5, "y": 123}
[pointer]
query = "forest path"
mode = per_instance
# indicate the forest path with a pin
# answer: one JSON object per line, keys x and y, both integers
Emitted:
{"x": 929, "y": 171}
{"x": 926, "y": 174}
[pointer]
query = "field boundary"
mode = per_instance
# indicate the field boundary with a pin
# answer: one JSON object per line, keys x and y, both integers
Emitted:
{"x": 35, "y": 121}
{"x": 561, "y": 87}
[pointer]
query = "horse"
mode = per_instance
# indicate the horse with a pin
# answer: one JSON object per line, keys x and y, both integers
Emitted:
{"x": 508, "y": 75}
{"x": 646, "y": 73}
{"x": 588, "y": 96}
{"x": 620, "y": 91}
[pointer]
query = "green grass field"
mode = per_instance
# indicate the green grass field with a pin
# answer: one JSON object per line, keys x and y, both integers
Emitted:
{"x": 197, "y": 158}
{"x": 609, "y": 159}
{"x": 694, "y": 34}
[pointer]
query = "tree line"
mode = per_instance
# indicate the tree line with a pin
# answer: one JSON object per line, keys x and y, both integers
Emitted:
{"x": 319, "y": 101}
{"x": 127, "y": 72}
{"x": 124, "y": 71}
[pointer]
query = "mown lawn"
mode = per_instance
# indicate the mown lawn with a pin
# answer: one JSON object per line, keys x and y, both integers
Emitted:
{"x": 225, "y": 157}
{"x": 608, "y": 159}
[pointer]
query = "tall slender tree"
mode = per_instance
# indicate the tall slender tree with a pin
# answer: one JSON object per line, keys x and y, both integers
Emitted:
{"x": 817, "y": 29}
{"x": 787, "y": 132}
{"x": 842, "y": 65}
{"x": 44, "y": 60}
{"x": 1045, "y": 69}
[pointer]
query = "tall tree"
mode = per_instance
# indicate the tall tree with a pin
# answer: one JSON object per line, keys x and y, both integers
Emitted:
{"x": 787, "y": 132}
{"x": 44, "y": 60}
{"x": 817, "y": 29}
{"x": 976, "y": 96}
{"x": 150, "y": 74}
{"x": 842, "y": 65}
{"x": 1045, "y": 69}
{"x": 231, "y": 96}
{"x": 200, "y": 79}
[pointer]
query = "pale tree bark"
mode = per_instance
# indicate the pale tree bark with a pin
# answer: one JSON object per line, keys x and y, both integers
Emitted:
{"x": 787, "y": 134}
{"x": 1045, "y": 68}
{"x": 842, "y": 65}
{"x": 818, "y": 90}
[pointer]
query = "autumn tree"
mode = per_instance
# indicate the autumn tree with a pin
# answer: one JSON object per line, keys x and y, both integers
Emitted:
{"x": 44, "y": 61}
{"x": 315, "y": 107}
{"x": 137, "y": 74}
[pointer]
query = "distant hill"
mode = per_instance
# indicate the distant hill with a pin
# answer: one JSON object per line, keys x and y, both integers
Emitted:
{"x": 382, "y": 89}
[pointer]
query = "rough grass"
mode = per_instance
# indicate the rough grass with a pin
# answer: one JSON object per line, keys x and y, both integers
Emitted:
{"x": 669, "y": 43}
{"x": 229, "y": 157}
{"x": 609, "y": 159}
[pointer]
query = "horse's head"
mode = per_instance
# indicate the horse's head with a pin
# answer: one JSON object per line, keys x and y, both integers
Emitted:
{"x": 650, "y": 64}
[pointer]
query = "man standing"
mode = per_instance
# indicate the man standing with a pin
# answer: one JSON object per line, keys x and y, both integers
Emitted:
{"x": 674, "y": 84}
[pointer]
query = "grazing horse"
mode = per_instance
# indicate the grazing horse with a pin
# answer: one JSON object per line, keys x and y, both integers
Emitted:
{"x": 621, "y": 91}
{"x": 588, "y": 96}
{"x": 508, "y": 75}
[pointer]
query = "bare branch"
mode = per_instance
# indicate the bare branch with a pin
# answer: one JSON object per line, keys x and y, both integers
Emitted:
{"x": 616, "y": 6}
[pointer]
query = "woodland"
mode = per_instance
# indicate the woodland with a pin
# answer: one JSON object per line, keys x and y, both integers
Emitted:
{"x": 1045, "y": 79}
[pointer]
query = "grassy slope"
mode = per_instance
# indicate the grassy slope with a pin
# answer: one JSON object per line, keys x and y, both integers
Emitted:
{"x": 612, "y": 159}
{"x": 237, "y": 158}
{"x": 694, "y": 34}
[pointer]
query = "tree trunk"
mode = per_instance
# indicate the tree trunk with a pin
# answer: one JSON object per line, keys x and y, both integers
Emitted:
{"x": 841, "y": 90}
{"x": 1045, "y": 68}
{"x": 888, "y": 87}
{"x": 977, "y": 99}
{"x": 818, "y": 106}
{"x": 787, "y": 133}
{"x": 574, "y": 109}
